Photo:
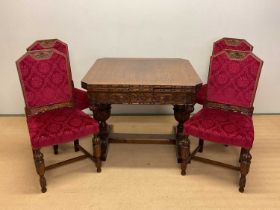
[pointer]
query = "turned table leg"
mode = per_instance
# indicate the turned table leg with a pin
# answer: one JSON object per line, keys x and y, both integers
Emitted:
{"x": 102, "y": 112}
{"x": 181, "y": 113}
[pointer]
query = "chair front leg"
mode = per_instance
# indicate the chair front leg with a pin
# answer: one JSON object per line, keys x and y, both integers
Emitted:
{"x": 40, "y": 168}
{"x": 185, "y": 152}
{"x": 97, "y": 152}
{"x": 245, "y": 162}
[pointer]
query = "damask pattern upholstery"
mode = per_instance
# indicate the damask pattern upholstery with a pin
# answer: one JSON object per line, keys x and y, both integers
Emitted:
{"x": 233, "y": 81}
{"x": 49, "y": 44}
{"x": 231, "y": 44}
{"x": 201, "y": 94}
{"x": 79, "y": 96}
{"x": 225, "y": 127}
{"x": 45, "y": 81}
{"x": 60, "y": 126}
{"x": 218, "y": 46}
{"x": 80, "y": 99}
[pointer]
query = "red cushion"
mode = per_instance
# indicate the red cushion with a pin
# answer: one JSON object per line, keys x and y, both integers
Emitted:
{"x": 221, "y": 126}
{"x": 60, "y": 126}
{"x": 201, "y": 94}
{"x": 80, "y": 99}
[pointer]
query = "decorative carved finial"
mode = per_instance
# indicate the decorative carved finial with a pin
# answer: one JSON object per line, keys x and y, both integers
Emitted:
{"x": 233, "y": 42}
{"x": 49, "y": 43}
{"x": 237, "y": 54}
{"x": 41, "y": 54}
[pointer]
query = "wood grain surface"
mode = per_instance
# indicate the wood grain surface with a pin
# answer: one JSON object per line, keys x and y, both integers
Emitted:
{"x": 142, "y": 71}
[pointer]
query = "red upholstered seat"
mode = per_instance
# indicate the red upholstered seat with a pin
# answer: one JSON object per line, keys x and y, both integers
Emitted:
{"x": 79, "y": 96}
{"x": 218, "y": 46}
{"x": 225, "y": 127}
{"x": 59, "y": 126}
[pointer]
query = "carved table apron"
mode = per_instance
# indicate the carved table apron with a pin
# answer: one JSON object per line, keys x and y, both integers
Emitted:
{"x": 161, "y": 81}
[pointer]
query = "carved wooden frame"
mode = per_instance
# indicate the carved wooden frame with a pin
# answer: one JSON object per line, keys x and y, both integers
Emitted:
{"x": 140, "y": 94}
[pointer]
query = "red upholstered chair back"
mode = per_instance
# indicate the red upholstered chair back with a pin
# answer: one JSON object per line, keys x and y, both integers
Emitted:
{"x": 233, "y": 78}
{"x": 49, "y": 44}
{"x": 45, "y": 79}
{"x": 231, "y": 44}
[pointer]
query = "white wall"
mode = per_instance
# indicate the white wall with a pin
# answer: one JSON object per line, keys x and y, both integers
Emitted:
{"x": 139, "y": 28}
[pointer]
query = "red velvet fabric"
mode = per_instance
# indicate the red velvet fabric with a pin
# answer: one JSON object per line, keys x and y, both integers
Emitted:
{"x": 45, "y": 81}
{"x": 225, "y": 127}
{"x": 221, "y": 45}
{"x": 56, "y": 44}
{"x": 80, "y": 99}
{"x": 233, "y": 81}
{"x": 60, "y": 126}
{"x": 201, "y": 94}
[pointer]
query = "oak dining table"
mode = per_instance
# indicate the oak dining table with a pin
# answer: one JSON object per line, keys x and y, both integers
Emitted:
{"x": 149, "y": 81}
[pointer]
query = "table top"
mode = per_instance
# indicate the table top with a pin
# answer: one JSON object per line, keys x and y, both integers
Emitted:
{"x": 142, "y": 71}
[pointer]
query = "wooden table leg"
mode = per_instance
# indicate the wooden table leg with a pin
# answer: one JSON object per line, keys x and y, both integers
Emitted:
{"x": 181, "y": 113}
{"x": 102, "y": 112}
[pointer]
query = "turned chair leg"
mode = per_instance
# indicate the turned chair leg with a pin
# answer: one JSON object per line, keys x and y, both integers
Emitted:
{"x": 241, "y": 152}
{"x": 200, "y": 144}
{"x": 96, "y": 143}
{"x": 76, "y": 145}
{"x": 40, "y": 168}
{"x": 185, "y": 152}
{"x": 244, "y": 167}
{"x": 55, "y": 149}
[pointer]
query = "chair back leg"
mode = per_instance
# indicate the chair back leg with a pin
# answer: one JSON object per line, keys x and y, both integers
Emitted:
{"x": 55, "y": 149}
{"x": 201, "y": 143}
{"x": 40, "y": 168}
{"x": 76, "y": 145}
